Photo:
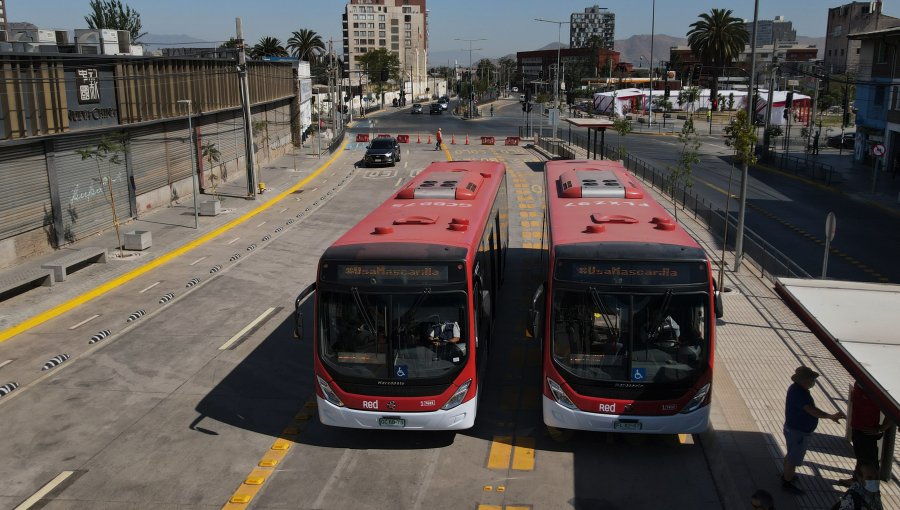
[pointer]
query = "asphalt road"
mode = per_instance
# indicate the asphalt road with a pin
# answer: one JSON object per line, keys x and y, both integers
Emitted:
{"x": 183, "y": 405}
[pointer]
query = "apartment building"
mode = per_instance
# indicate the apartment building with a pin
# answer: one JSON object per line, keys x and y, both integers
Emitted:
{"x": 842, "y": 51}
{"x": 400, "y": 26}
{"x": 595, "y": 21}
{"x": 4, "y": 22}
{"x": 772, "y": 31}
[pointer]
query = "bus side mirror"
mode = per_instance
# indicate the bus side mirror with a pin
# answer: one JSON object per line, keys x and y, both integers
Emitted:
{"x": 717, "y": 303}
{"x": 298, "y": 315}
{"x": 534, "y": 314}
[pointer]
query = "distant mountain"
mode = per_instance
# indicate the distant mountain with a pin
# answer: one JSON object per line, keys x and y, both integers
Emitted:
{"x": 634, "y": 47}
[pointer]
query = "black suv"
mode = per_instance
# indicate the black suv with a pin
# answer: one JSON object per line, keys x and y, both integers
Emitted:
{"x": 382, "y": 151}
{"x": 435, "y": 108}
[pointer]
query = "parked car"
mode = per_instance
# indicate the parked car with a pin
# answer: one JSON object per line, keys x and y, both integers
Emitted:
{"x": 435, "y": 108}
{"x": 416, "y": 108}
{"x": 845, "y": 141}
{"x": 444, "y": 104}
{"x": 382, "y": 151}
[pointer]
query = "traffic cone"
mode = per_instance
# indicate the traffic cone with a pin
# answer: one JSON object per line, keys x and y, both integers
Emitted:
{"x": 452, "y": 139}
{"x": 429, "y": 139}
{"x": 467, "y": 139}
{"x": 418, "y": 138}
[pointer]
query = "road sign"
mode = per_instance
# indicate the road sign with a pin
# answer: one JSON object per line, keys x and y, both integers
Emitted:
{"x": 830, "y": 226}
{"x": 878, "y": 150}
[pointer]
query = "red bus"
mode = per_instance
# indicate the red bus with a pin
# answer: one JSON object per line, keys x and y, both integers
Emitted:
{"x": 629, "y": 308}
{"x": 405, "y": 300}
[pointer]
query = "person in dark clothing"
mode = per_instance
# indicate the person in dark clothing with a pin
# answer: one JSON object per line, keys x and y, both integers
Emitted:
{"x": 801, "y": 417}
{"x": 815, "y": 143}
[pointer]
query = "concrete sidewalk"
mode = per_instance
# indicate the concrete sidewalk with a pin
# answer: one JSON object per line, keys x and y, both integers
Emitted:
{"x": 170, "y": 227}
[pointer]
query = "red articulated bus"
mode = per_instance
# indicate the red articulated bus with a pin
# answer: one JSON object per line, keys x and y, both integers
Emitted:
{"x": 405, "y": 300}
{"x": 629, "y": 308}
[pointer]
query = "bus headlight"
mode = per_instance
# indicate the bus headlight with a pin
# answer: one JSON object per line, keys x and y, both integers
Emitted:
{"x": 330, "y": 395}
{"x": 458, "y": 396}
{"x": 560, "y": 395}
{"x": 697, "y": 401}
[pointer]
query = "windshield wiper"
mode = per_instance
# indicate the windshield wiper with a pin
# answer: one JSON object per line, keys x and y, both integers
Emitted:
{"x": 362, "y": 309}
{"x": 408, "y": 316}
{"x": 663, "y": 312}
{"x": 604, "y": 311}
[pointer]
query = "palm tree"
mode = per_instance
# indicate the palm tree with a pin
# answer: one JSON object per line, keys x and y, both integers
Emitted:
{"x": 268, "y": 47}
{"x": 305, "y": 44}
{"x": 717, "y": 39}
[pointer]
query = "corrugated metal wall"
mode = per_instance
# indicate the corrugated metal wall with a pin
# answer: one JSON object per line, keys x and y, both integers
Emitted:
{"x": 25, "y": 190}
{"x": 83, "y": 189}
{"x": 148, "y": 158}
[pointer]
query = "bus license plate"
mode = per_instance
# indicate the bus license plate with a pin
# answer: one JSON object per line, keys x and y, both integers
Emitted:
{"x": 627, "y": 425}
{"x": 391, "y": 421}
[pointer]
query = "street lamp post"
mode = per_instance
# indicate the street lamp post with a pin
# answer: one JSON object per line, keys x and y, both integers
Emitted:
{"x": 193, "y": 155}
{"x": 471, "y": 87}
{"x": 559, "y": 25}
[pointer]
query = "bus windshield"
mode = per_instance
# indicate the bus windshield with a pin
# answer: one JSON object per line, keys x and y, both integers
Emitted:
{"x": 638, "y": 338}
{"x": 402, "y": 336}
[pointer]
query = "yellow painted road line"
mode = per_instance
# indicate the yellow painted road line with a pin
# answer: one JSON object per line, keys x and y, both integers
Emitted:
{"x": 447, "y": 152}
{"x": 58, "y": 310}
{"x": 518, "y": 507}
{"x": 523, "y": 455}
{"x": 246, "y": 328}
{"x": 501, "y": 451}
{"x": 43, "y": 491}
{"x": 490, "y": 507}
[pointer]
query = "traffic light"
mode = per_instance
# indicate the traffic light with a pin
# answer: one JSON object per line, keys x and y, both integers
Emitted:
{"x": 696, "y": 74}
{"x": 789, "y": 100}
{"x": 541, "y": 74}
{"x": 667, "y": 91}
{"x": 527, "y": 96}
{"x": 526, "y": 107}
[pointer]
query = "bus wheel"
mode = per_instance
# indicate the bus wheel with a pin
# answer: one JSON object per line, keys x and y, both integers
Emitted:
{"x": 560, "y": 435}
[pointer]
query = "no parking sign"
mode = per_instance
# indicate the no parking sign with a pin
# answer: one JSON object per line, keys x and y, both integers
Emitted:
{"x": 878, "y": 150}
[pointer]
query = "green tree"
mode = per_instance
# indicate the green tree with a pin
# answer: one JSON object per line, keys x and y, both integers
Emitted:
{"x": 109, "y": 149}
{"x": 740, "y": 136}
{"x": 718, "y": 38}
{"x": 680, "y": 175}
{"x": 305, "y": 44}
{"x": 212, "y": 155}
{"x": 268, "y": 47}
{"x": 230, "y": 43}
{"x": 114, "y": 15}
{"x": 382, "y": 67}
{"x": 689, "y": 97}
{"x": 622, "y": 126}
{"x": 485, "y": 72}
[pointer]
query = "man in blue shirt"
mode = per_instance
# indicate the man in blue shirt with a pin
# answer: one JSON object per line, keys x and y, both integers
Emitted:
{"x": 801, "y": 417}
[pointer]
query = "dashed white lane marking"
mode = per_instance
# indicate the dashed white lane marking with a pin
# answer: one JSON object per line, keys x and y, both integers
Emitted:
{"x": 89, "y": 319}
{"x": 399, "y": 180}
{"x": 196, "y": 261}
{"x": 43, "y": 491}
{"x": 247, "y": 328}
{"x": 234, "y": 240}
{"x": 281, "y": 211}
{"x": 261, "y": 224}
{"x": 7, "y": 362}
{"x": 157, "y": 283}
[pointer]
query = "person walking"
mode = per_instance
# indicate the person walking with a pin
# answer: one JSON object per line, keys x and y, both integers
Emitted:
{"x": 492, "y": 110}
{"x": 801, "y": 417}
{"x": 439, "y": 139}
{"x": 815, "y": 147}
{"x": 866, "y": 428}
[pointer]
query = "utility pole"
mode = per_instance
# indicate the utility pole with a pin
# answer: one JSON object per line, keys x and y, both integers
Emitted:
{"x": 652, "y": 33}
{"x": 471, "y": 87}
{"x": 245, "y": 108}
{"x": 745, "y": 166}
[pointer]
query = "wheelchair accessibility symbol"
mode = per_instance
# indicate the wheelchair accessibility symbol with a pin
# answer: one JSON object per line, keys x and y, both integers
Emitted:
{"x": 639, "y": 374}
{"x": 402, "y": 371}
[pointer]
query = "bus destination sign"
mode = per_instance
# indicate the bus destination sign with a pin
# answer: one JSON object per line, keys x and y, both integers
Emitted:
{"x": 632, "y": 272}
{"x": 391, "y": 274}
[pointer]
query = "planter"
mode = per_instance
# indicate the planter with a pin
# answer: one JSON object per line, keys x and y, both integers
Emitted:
{"x": 210, "y": 208}
{"x": 138, "y": 240}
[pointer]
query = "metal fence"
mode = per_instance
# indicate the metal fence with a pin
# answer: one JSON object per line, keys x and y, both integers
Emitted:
{"x": 806, "y": 166}
{"x": 771, "y": 262}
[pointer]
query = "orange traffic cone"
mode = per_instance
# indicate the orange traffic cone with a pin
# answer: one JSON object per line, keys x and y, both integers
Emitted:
{"x": 452, "y": 139}
{"x": 467, "y": 139}
{"x": 429, "y": 139}
{"x": 418, "y": 138}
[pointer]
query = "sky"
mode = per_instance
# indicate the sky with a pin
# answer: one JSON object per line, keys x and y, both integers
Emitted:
{"x": 507, "y": 25}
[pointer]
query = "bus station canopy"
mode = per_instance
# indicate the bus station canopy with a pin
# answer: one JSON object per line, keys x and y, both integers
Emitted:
{"x": 856, "y": 322}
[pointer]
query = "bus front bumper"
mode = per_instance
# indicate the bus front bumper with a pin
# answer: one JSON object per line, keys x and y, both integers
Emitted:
{"x": 558, "y": 416}
{"x": 459, "y": 418}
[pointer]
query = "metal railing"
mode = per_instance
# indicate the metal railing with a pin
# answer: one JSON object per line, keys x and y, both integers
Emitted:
{"x": 806, "y": 166}
{"x": 771, "y": 262}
